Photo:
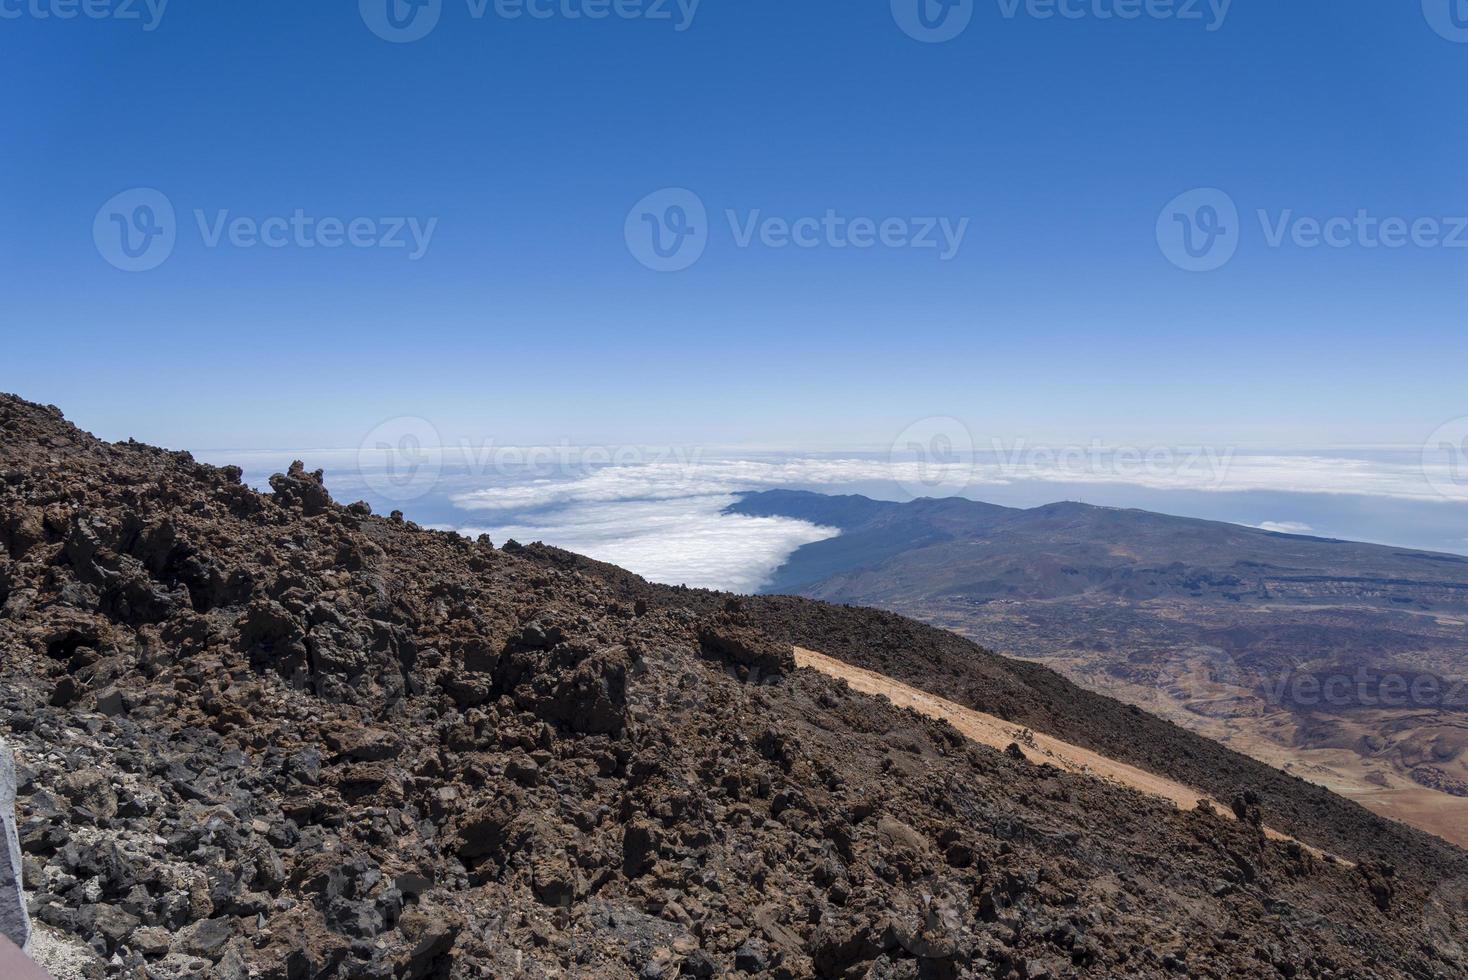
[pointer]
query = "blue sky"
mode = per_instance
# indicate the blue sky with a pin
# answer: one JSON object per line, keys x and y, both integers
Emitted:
{"x": 527, "y": 141}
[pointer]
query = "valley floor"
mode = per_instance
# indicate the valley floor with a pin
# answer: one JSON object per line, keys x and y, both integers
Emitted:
{"x": 1378, "y": 785}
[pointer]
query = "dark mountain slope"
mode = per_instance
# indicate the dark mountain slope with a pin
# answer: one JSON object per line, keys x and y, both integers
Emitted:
{"x": 958, "y": 547}
{"x": 1236, "y": 632}
{"x": 270, "y": 736}
{"x": 1030, "y": 694}
{"x": 874, "y": 532}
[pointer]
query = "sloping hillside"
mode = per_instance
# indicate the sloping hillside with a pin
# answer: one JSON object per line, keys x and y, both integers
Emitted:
{"x": 1344, "y": 663}
{"x": 268, "y": 735}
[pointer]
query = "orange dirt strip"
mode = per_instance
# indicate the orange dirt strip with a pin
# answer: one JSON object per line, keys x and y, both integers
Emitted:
{"x": 1000, "y": 734}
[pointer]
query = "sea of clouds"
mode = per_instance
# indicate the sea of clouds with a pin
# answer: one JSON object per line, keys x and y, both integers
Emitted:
{"x": 660, "y": 512}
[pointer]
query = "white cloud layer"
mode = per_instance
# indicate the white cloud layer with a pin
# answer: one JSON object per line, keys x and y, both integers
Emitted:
{"x": 1285, "y": 527}
{"x": 602, "y": 473}
{"x": 657, "y": 510}
{"x": 1206, "y": 470}
{"x": 678, "y": 541}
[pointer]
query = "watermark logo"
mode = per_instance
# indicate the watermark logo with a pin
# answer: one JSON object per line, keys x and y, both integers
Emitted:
{"x": 405, "y": 21}
{"x": 149, "y": 13}
{"x": 1158, "y": 466}
{"x": 136, "y": 230}
{"x": 1199, "y": 231}
{"x": 1208, "y": 681}
{"x": 668, "y": 230}
{"x": 401, "y": 459}
{"x": 407, "y": 458}
{"x": 937, "y": 21}
{"x": 1448, "y": 17}
{"x": 1212, "y": 13}
{"x": 679, "y": 13}
{"x": 1362, "y": 230}
{"x": 1445, "y": 459}
{"x": 837, "y": 231}
{"x": 934, "y": 457}
{"x": 933, "y": 21}
{"x": 306, "y": 231}
{"x": 401, "y": 21}
{"x": 1364, "y": 687}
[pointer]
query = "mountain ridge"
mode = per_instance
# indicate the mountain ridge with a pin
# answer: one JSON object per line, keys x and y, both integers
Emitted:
{"x": 1204, "y": 621}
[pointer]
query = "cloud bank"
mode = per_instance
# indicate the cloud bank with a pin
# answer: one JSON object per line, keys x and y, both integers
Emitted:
{"x": 1286, "y": 527}
{"x": 675, "y": 541}
{"x": 657, "y": 511}
{"x": 1195, "y": 469}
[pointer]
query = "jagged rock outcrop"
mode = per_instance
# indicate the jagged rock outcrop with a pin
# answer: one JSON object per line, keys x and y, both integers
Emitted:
{"x": 268, "y": 736}
{"x": 731, "y": 636}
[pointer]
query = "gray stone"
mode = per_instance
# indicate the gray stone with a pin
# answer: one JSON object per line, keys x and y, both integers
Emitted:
{"x": 15, "y": 923}
{"x": 206, "y": 937}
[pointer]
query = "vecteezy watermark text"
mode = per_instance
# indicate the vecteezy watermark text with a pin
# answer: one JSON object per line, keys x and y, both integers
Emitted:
{"x": 1190, "y": 466}
{"x": 1213, "y": 675}
{"x": 404, "y": 459}
{"x": 1362, "y": 230}
{"x": 833, "y": 230}
{"x": 934, "y": 457}
{"x": 1363, "y": 687}
{"x": 1445, "y": 459}
{"x": 301, "y": 230}
{"x": 1201, "y": 230}
{"x": 138, "y": 229}
{"x": 668, "y": 231}
{"x": 1211, "y": 13}
{"x": 938, "y": 456}
{"x": 1448, "y": 17}
{"x": 148, "y": 13}
{"x": 405, "y": 21}
{"x": 937, "y": 21}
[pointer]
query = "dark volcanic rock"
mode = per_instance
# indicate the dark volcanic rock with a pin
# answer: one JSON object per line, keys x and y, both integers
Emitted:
{"x": 266, "y": 737}
{"x": 731, "y": 636}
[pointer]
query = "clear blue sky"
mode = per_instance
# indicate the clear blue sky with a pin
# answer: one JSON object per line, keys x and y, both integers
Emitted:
{"x": 529, "y": 141}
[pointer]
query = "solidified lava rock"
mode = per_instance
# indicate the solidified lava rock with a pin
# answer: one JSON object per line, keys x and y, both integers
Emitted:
{"x": 264, "y": 735}
{"x": 732, "y": 637}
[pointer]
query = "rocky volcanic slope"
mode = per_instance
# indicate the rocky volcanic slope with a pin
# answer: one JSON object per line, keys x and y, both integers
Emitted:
{"x": 266, "y": 735}
{"x": 1132, "y": 603}
{"x": 1028, "y": 694}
